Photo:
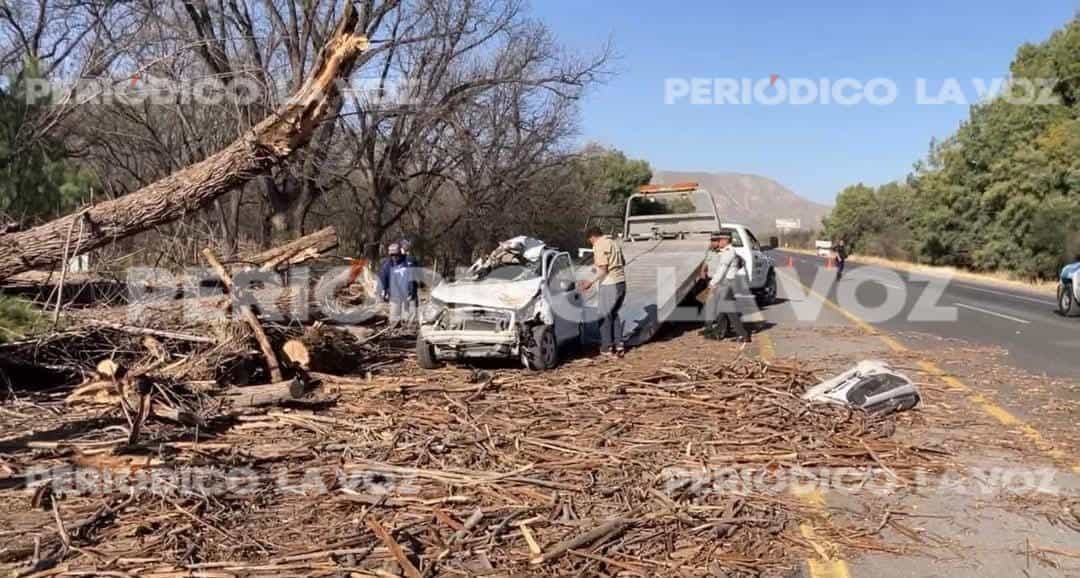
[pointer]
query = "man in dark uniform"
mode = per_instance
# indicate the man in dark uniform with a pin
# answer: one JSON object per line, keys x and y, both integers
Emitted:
{"x": 841, "y": 258}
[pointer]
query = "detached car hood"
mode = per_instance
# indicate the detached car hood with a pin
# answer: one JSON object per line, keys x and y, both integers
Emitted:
{"x": 494, "y": 294}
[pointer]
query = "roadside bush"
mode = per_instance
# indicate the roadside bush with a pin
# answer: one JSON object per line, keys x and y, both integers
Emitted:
{"x": 18, "y": 318}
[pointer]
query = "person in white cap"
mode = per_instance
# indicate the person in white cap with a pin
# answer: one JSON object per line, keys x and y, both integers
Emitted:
{"x": 396, "y": 285}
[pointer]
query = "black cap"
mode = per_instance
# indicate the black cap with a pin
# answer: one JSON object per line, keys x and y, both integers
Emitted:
{"x": 721, "y": 234}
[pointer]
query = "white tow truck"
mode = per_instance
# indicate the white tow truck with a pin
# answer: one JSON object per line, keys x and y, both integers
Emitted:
{"x": 665, "y": 241}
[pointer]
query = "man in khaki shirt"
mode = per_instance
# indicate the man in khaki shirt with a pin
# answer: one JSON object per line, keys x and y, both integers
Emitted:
{"x": 611, "y": 278}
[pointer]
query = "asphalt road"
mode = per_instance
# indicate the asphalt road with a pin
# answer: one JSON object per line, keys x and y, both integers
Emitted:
{"x": 1025, "y": 324}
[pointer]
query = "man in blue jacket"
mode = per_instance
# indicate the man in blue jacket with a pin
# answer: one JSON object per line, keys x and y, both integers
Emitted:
{"x": 418, "y": 275}
{"x": 397, "y": 285}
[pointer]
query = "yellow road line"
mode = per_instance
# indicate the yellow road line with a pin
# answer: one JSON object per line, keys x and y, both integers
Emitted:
{"x": 766, "y": 347}
{"x": 828, "y": 564}
{"x": 1002, "y": 415}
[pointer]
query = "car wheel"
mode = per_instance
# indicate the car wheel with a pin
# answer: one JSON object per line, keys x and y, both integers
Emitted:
{"x": 767, "y": 295}
{"x": 425, "y": 354}
{"x": 1067, "y": 304}
{"x": 542, "y": 352}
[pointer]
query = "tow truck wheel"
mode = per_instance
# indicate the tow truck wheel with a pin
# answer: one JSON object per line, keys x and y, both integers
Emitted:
{"x": 425, "y": 354}
{"x": 1067, "y": 304}
{"x": 542, "y": 353}
{"x": 767, "y": 294}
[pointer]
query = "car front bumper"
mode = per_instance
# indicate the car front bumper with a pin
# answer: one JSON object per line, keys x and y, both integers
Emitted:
{"x": 451, "y": 344}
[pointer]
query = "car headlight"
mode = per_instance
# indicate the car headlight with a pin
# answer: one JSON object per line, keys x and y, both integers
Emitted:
{"x": 431, "y": 311}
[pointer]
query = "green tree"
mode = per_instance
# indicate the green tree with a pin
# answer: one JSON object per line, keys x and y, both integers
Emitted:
{"x": 613, "y": 173}
{"x": 1003, "y": 193}
{"x": 873, "y": 220}
{"x": 36, "y": 180}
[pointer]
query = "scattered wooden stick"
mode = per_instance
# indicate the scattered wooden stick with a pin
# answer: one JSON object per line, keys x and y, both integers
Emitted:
{"x": 248, "y": 316}
{"x": 534, "y": 548}
{"x": 395, "y": 548}
{"x": 598, "y": 534}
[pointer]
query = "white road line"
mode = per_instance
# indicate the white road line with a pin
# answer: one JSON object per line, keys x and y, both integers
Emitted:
{"x": 857, "y": 276}
{"x": 953, "y": 281}
{"x": 1004, "y": 294}
{"x": 994, "y": 313}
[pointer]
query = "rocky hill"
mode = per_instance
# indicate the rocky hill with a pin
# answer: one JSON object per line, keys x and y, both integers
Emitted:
{"x": 751, "y": 200}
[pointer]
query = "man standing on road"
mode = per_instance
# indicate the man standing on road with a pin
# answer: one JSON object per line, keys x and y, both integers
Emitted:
{"x": 397, "y": 287}
{"x": 723, "y": 263}
{"x": 841, "y": 258}
{"x": 611, "y": 281}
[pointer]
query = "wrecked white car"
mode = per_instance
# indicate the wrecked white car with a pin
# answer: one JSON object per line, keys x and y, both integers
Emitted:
{"x": 519, "y": 302}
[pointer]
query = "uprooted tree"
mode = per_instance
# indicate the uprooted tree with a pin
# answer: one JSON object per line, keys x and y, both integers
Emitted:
{"x": 256, "y": 152}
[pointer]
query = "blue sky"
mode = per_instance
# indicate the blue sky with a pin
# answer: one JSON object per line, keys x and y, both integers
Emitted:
{"x": 813, "y": 149}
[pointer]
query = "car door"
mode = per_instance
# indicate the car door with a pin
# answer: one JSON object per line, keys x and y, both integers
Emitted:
{"x": 741, "y": 241}
{"x": 565, "y": 299}
{"x": 759, "y": 266}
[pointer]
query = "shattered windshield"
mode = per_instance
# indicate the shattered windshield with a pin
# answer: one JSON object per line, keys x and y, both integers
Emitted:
{"x": 518, "y": 259}
{"x": 512, "y": 272}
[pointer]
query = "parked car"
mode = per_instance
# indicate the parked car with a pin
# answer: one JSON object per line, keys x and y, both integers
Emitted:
{"x": 1069, "y": 291}
{"x": 519, "y": 302}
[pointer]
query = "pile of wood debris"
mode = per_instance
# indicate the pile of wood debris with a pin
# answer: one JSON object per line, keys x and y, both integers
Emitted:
{"x": 588, "y": 470}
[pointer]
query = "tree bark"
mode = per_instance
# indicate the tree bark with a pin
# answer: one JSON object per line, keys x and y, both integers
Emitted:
{"x": 293, "y": 252}
{"x": 187, "y": 190}
{"x": 275, "y": 393}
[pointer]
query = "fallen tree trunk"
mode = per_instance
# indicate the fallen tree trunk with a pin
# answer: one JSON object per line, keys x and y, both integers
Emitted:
{"x": 275, "y": 259}
{"x": 295, "y": 252}
{"x": 168, "y": 199}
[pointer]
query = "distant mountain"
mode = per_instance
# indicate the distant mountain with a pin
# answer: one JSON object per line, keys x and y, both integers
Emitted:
{"x": 751, "y": 200}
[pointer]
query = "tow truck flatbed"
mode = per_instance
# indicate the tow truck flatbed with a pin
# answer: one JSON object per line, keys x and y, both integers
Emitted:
{"x": 659, "y": 275}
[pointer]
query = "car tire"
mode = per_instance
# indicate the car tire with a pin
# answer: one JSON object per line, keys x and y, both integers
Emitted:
{"x": 1067, "y": 303}
{"x": 425, "y": 354}
{"x": 767, "y": 295}
{"x": 542, "y": 351}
